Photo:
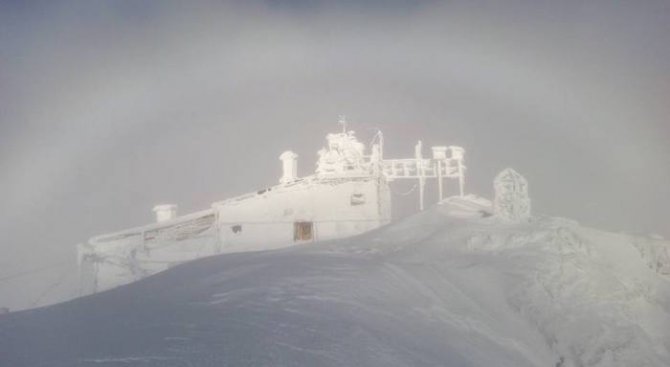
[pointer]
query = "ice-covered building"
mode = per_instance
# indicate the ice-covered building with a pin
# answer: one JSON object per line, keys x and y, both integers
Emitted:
{"x": 348, "y": 194}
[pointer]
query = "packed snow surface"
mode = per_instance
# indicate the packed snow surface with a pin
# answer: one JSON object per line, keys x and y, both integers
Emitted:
{"x": 451, "y": 286}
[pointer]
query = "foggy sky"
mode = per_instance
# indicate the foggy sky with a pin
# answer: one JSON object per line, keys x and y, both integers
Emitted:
{"x": 107, "y": 109}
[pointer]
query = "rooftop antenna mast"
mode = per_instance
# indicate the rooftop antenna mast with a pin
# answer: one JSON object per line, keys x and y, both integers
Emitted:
{"x": 342, "y": 120}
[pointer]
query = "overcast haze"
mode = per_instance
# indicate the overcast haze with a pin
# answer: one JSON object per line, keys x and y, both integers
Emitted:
{"x": 107, "y": 109}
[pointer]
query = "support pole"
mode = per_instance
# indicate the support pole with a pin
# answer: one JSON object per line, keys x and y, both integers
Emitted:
{"x": 419, "y": 171}
{"x": 422, "y": 182}
{"x": 440, "y": 189}
{"x": 461, "y": 178}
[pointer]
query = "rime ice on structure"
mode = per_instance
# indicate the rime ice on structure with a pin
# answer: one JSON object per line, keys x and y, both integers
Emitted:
{"x": 348, "y": 194}
{"x": 511, "y": 202}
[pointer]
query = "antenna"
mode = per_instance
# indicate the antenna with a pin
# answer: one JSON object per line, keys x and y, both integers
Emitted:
{"x": 342, "y": 120}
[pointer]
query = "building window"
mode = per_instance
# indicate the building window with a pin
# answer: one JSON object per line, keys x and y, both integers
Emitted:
{"x": 303, "y": 231}
{"x": 357, "y": 198}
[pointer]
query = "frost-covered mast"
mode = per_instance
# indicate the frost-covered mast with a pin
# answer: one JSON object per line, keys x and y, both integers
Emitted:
{"x": 344, "y": 156}
{"x": 342, "y": 120}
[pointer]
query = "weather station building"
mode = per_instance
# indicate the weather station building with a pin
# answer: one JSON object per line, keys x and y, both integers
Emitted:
{"x": 348, "y": 194}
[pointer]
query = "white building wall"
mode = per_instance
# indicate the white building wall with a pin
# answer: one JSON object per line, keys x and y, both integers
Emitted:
{"x": 119, "y": 258}
{"x": 337, "y": 208}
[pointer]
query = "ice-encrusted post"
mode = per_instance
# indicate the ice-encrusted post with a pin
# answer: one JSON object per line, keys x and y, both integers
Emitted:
{"x": 439, "y": 155}
{"x": 511, "y": 202}
{"x": 457, "y": 153}
{"x": 418, "y": 155}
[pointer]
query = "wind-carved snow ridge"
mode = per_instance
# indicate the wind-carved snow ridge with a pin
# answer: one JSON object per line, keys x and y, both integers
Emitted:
{"x": 597, "y": 299}
{"x": 655, "y": 251}
{"x": 587, "y": 292}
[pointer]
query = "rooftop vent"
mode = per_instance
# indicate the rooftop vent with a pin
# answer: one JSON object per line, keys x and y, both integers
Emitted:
{"x": 165, "y": 212}
{"x": 289, "y": 166}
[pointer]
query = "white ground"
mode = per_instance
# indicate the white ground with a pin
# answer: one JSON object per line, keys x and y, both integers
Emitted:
{"x": 447, "y": 287}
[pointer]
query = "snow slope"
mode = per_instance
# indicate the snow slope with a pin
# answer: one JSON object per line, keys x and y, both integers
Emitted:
{"x": 451, "y": 286}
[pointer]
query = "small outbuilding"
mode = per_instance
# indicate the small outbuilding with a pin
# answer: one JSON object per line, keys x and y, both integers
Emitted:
{"x": 512, "y": 201}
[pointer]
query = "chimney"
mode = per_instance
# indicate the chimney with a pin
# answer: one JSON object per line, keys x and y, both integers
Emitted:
{"x": 289, "y": 166}
{"x": 165, "y": 212}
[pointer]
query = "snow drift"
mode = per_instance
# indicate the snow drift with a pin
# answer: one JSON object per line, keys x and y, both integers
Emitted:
{"x": 451, "y": 286}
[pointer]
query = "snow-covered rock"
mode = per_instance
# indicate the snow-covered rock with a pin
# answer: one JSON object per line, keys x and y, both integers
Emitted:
{"x": 451, "y": 286}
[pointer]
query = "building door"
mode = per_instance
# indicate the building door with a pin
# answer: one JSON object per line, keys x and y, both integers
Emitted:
{"x": 303, "y": 231}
